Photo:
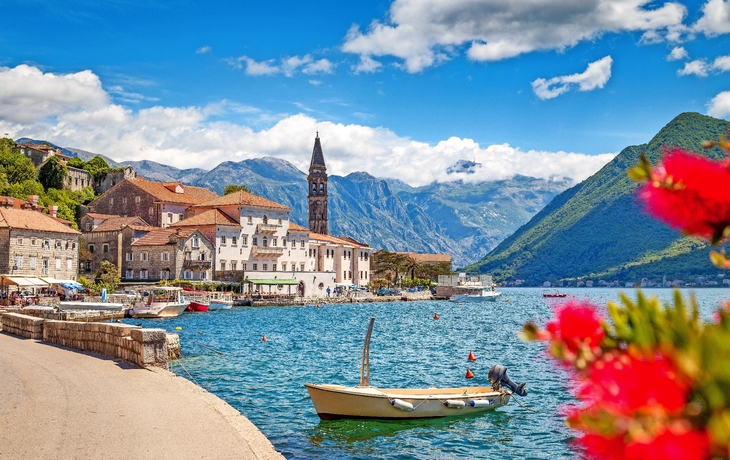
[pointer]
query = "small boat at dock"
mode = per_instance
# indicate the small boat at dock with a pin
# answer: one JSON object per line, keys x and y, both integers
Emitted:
{"x": 99, "y": 306}
{"x": 488, "y": 294}
{"x": 159, "y": 302}
{"x": 364, "y": 401}
{"x": 553, "y": 294}
{"x": 220, "y": 300}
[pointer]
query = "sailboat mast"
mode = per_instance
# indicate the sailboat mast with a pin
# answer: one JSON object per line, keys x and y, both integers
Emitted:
{"x": 365, "y": 364}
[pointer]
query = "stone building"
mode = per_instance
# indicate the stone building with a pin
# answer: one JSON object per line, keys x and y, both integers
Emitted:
{"x": 167, "y": 254}
{"x": 157, "y": 203}
{"x": 107, "y": 237}
{"x": 39, "y": 155}
{"x": 317, "y": 181}
{"x": 112, "y": 178}
{"x": 34, "y": 244}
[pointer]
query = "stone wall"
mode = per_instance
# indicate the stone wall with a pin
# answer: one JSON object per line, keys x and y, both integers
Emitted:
{"x": 144, "y": 347}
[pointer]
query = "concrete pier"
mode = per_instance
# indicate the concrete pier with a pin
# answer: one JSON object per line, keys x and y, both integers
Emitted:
{"x": 57, "y": 403}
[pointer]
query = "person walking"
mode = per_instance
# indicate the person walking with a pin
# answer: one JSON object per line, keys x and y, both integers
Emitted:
{"x": 328, "y": 291}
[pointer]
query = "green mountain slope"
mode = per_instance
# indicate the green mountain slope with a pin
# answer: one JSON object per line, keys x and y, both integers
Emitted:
{"x": 598, "y": 230}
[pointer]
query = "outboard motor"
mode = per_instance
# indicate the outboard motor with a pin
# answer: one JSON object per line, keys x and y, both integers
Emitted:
{"x": 498, "y": 377}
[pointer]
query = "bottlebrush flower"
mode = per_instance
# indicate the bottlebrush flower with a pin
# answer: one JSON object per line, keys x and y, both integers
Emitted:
{"x": 690, "y": 192}
{"x": 621, "y": 383}
{"x": 669, "y": 444}
{"x": 576, "y": 324}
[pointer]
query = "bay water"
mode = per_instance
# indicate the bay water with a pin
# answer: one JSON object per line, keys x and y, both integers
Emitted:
{"x": 223, "y": 352}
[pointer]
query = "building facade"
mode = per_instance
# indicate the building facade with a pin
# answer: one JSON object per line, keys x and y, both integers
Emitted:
{"x": 106, "y": 238}
{"x": 167, "y": 254}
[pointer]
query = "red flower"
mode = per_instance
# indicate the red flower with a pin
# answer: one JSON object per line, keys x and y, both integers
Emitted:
{"x": 667, "y": 445}
{"x": 625, "y": 384}
{"x": 576, "y": 324}
{"x": 690, "y": 192}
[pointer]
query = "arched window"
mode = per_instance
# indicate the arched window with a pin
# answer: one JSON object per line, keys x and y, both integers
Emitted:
{"x": 265, "y": 242}
{"x": 321, "y": 188}
{"x": 266, "y": 219}
{"x": 314, "y": 188}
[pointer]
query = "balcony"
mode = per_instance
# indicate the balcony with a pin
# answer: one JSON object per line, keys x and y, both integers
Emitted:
{"x": 266, "y": 228}
{"x": 199, "y": 264}
{"x": 259, "y": 251}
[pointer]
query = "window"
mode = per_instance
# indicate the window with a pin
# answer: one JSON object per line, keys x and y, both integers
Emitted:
{"x": 255, "y": 241}
{"x": 265, "y": 242}
{"x": 321, "y": 188}
{"x": 283, "y": 241}
{"x": 58, "y": 263}
{"x": 187, "y": 275}
{"x": 143, "y": 274}
{"x": 203, "y": 275}
{"x": 32, "y": 241}
{"x": 255, "y": 267}
{"x": 58, "y": 244}
{"x": 223, "y": 239}
{"x": 233, "y": 265}
{"x": 201, "y": 256}
{"x": 179, "y": 217}
{"x": 243, "y": 266}
{"x": 32, "y": 262}
{"x": 301, "y": 267}
{"x": 164, "y": 274}
{"x": 223, "y": 265}
{"x": 244, "y": 240}
{"x": 19, "y": 261}
{"x": 69, "y": 264}
{"x": 314, "y": 188}
{"x": 265, "y": 219}
{"x": 144, "y": 257}
{"x": 105, "y": 248}
{"x": 234, "y": 241}
{"x": 87, "y": 267}
{"x": 283, "y": 266}
{"x": 273, "y": 267}
{"x": 91, "y": 248}
{"x": 265, "y": 266}
{"x": 302, "y": 244}
{"x": 88, "y": 226}
{"x": 47, "y": 245}
{"x": 250, "y": 219}
{"x": 20, "y": 241}
{"x": 279, "y": 220}
{"x": 130, "y": 257}
{"x": 165, "y": 256}
{"x": 169, "y": 217}
{"x": 273, "y": 241}
{"x": 111, "y": 201}
{"x": 129, "y": 274}
{"x": 195, "y": 242}
{"x": 124, "y": 200}
{"x": 151, "y": 211}
{"x": 137, "y": 199}
{"x": 293, "y": 244}
{"x": 44, "y": 267}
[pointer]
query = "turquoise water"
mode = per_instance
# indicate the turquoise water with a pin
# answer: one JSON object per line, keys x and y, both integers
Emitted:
{"x": 265, "y": 380}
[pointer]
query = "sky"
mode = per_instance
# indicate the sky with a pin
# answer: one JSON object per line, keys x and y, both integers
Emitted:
{"x": 402, "y": 89}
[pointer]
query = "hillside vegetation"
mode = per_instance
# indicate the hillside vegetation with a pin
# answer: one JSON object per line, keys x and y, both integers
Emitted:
{"x": 597, "y": 230}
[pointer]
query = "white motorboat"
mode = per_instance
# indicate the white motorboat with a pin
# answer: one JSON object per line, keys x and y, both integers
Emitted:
{"x": 364, "y": 401}
{"x": 159, "y": 302}
{"x": 220, "y": 300}
{"x": 100, "y": 306}
{"x": 472, "y": 295}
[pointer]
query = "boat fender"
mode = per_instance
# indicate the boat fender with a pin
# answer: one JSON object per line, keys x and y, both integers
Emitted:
{"x": 454, "y": 403}
{"x": 480, "y": 403}
{"x": 402, "y": 405}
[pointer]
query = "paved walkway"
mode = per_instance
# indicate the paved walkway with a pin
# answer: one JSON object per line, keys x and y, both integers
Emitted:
{"x": 61, "y": 404}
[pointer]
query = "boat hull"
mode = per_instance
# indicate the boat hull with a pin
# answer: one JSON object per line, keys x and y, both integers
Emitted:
{"x": 489, "y": 297}
{"x": 168, "y": 311}
{"x": 336, "y": 401}
{"x": 221, "y": 304}
{"x": 197, "y": 306}
{"x": 100, "y": 306}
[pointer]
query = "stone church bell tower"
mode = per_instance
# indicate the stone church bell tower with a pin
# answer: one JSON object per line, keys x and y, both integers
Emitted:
{"x": 317, "y": 180}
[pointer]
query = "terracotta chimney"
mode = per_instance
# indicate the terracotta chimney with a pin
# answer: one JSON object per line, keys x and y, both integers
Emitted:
{"x": 52, "y": 210}
{"x": 33, "y": 200}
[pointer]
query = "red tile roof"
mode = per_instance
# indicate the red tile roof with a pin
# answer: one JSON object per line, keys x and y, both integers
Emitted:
{"x": 159, "y": 190}
{"x": 211, "y": 217}
{"x": 163, "y": 236}
{"x": 17, "y": 202}
{"x": 32, "y": 220}
{"x": 334, "y": 239}
{"x": 118, "y": 223}
{"x": 97, "y": 215}
{"x": 242, "y": 198}
{"x": 296, "y": 227}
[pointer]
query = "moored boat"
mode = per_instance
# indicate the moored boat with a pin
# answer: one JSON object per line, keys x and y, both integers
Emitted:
{"x": 553, "y": 294}
{"x": 364, "y": 401}
{"x": 197, "y": 306}
{"x": 483, "y": 294}
{"x": 220, "y": 300}
{"x": 159, "y": 302}
{"x": 101, "y": 306}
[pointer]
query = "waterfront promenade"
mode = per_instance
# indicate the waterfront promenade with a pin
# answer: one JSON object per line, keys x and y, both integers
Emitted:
{"x": 57, "y": 403}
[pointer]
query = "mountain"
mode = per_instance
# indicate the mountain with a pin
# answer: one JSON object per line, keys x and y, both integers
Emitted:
{"x": 465, "y": 220}
{"x": 598, "y": 230}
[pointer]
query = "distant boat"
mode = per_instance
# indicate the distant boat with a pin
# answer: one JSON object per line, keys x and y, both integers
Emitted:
{"x": 364, "y": 401}
{"x": 476, "y": 296}
{"x": 220, "y": 300}
{"x": 159, "y": 302}
{"x": 554, "y": 293}
{"x": 198, "y": 300}
{"x": 100, "y": 306}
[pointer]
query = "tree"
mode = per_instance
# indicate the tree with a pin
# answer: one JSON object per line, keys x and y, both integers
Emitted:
{"x": 389, "y": 262}
{"x": 98, "y": 168}
{"x": 53, "y": 173}
{"x": 16, "y": 166}
{"x": 235, "y": 188}
{"x": 107, "y": 276}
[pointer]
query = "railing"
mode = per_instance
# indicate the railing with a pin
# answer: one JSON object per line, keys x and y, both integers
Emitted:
{"x": 269, "y": 251}
{"x": 197, "y": 264}
{"x": 266, "y": 228}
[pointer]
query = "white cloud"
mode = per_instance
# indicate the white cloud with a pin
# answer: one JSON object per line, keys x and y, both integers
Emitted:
{"x": 678, "y": 53}
{"x": 367, "y": 65}
{"x": 203, "y": 50}
{"x": 715, "y": 18}
{"x": 595, "y": 76}
{"x": 322, "y": 66}
{"x": 722, "y": 63}
{"x": 719, "y": 106}
{"x": 289, "y": 66}
{"x": 188, "y": 137}
{"x": 315, "y": 82}
{"x": 698, "y": 67}
{"x": 425, "y": 32}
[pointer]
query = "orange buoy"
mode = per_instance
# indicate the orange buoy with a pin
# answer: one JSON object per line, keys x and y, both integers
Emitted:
{"x": 263, "y": 339}
{"x": 471, "y": 356}
{"x": 436, "y": 316}
{"x": 469, "y": 374}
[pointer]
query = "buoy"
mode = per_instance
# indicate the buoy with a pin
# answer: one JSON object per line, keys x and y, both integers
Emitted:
{"x": 454, "y": 403}
{"x": 436, "y": 316}
{"x": 471, "y": 356}
{"x": 178, "y": 328}
{"x": 402, "y": 405}
{"x": 469, "y": 373}
{"x": 318, "y": 306}
{"x": 480, "y": 403}
{"x": 263, "y": 339}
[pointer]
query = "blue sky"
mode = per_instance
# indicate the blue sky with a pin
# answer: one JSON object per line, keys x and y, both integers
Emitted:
{"x": 398, "y": 89}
